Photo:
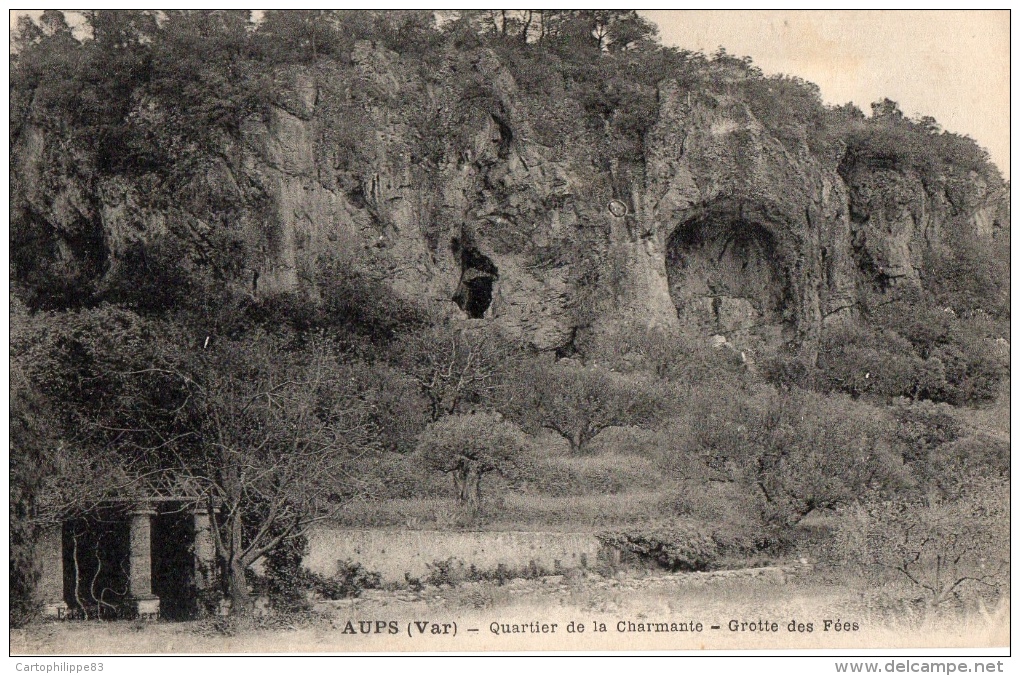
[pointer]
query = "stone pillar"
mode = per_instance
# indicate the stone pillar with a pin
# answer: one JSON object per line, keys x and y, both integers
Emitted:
{"x": 205, "y": 551}
{"x": 50, "y": 553}
{"x": 140, "y": 597}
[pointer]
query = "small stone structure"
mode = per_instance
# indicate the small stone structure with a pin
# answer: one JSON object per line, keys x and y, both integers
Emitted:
{"x": 139, "y": 559}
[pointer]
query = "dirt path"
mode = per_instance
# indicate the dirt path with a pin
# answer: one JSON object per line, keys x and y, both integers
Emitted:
{"x": 752, "y": 609}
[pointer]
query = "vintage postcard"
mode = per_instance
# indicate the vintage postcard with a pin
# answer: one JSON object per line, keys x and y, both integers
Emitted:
{"x": 345, "y": 331}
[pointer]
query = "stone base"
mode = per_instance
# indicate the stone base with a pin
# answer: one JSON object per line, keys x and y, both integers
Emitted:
{"x": 54, "y": 610}
{"x": 145, "y": 608}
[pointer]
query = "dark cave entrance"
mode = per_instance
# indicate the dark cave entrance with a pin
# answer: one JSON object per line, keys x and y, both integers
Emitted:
{"x": 726, "y": 277}
{"x": 477, "y": 277}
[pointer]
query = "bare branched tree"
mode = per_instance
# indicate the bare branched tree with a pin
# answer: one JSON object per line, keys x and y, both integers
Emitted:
{"x": 943, "y": 550}
{"x": 457, "y": 369}
{"x": 266, "y": 436}
{"x": 259, "y": 430}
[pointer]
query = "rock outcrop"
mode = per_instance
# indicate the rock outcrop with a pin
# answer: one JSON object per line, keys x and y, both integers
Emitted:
{"x": 721, "y": 228}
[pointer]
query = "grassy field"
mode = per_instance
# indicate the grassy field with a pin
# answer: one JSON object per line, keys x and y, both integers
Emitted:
{"x": 755, "y": 598}
{"x": 506, "y": 510}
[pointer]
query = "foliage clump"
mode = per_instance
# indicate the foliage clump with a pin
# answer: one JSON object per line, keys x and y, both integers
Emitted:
{"x": 948, "y": 551}
{"x": 468, "y": 447}
{"x": 349, "y": 580}
{"x": 679, "y": 547}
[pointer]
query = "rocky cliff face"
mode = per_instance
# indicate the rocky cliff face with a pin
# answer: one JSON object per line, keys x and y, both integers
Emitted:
{"x": 895, "y": 217}
{"x": 721, "y": 229}
{"x": 755, "y": 232}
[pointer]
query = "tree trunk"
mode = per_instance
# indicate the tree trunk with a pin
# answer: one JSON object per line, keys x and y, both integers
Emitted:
{"x": 237, "y": 589}
{"x": 467, "y": 481}
{"x": 460, "y": 482}
{"x": 474, "y": 490}
{"x": 237, "y": 583}
{"x": 577, "y": 442}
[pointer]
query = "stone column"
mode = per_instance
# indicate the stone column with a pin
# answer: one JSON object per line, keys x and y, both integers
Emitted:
{"x": 50, "y": 551}
{"x": 140, "y": 596}
{"x": 205, "y": 551}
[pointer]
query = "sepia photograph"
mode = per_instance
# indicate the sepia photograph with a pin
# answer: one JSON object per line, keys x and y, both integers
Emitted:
{"x": 509, "y": 331}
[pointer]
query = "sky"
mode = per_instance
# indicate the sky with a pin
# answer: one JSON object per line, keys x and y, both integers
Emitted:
{"x": 953, "y": 66}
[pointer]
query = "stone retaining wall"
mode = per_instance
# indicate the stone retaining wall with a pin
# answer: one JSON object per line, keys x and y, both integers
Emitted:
{"x": 396, "y": 552}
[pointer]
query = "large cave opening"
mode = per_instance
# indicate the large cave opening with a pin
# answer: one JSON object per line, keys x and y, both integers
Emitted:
{"x": 726, "y": 277}
{"x": 478, "y": 275}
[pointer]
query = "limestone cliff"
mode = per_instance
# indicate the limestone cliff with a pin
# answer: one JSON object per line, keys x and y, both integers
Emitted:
{"x": 721, "y": 228}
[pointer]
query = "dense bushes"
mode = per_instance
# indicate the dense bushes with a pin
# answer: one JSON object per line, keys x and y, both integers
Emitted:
{"x": 889, "y": 139}
{"x": 290, "y": 588}
{"x": 675, "y": 547}
{"x": 730, "y": 514}
{"x": 606, "y": 474}
{"x": 285, "y": 582}
{"x": 945, "y": 550}
{"x": 907, "y": 349}
{"x": 795, "y": 451}
{"x": 349, "y": 580}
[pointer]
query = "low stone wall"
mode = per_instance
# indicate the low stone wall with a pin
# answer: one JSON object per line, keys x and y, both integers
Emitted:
{"x": 393, "y": 553}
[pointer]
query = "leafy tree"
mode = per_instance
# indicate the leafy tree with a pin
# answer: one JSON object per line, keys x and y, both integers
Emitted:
{"x": 579, "y": 403}
{"x": 808, "y": 452}
{"x": 61, "y": 462}
{"x": 794, "y": 451}
{"x": 258, "y": 429}
{"x": 469, "y": 446}
{"x": 266, "y": 434}
{"x": 616, "y": 30}
{"x": 25, "y": 34}
{"x": 292, "y": 34}
{"x": 355, "y": 304}
{"x": 397, "y": 410}
{"x": 909, "y": 347}
{"x": 887, "y": 110}
{"x": 971, "y": 275}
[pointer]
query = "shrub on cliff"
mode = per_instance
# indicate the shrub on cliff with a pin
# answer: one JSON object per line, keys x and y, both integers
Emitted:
{"x": 908, "y": 349}
{"x": 889, "y": 139}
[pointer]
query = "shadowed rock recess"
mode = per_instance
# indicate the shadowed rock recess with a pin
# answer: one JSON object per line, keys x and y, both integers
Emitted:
{"x": 456, "y": 186}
